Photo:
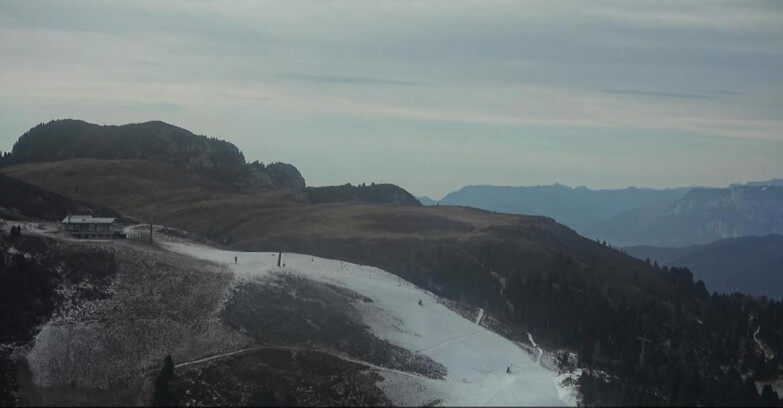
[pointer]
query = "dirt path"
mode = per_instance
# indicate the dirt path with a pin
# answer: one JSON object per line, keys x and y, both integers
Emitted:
{"x": 447, "y": 342}
{"x": 215, "y": 357}
{"x": 303, "y": 349}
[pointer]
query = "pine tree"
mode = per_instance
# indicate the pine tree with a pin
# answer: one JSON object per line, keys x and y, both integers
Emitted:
{"x": 586, "y": 353}
{"x": 769, "y": 397}
{"x": 162, "y": 396}
{"x": 263, "y": 398}
{"x": 701, "y": 290}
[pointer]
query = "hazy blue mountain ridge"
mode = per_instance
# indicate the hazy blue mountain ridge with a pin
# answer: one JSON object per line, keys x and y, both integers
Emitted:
{"x": 574, "y": 207}
{"x": 701, "y": 216}
{"x": 771, "y": 182}
{"x": 752, "y": 264}
{"x": 427, "y": 201}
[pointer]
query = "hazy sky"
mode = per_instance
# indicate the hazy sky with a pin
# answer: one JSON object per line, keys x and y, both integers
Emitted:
{"x": 429, "y": 95}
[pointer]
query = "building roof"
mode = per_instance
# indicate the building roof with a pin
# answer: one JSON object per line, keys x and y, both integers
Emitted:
{"x": 86, "y": 219}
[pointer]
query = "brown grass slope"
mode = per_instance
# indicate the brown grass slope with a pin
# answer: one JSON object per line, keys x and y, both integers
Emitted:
{"x": 21, "y": 200}
{"x": 451, "y": 250}
{"x": 530, "y": 274}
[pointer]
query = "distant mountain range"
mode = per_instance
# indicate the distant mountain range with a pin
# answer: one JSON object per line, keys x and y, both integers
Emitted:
{"x": 636, "y": 216}
{"x": 701, "y": 216}
{"x": 771, "y": 182}
{"x": 749, "y": 264}
{"x": 427, "y": 201}
{"x": 575, "y": 207}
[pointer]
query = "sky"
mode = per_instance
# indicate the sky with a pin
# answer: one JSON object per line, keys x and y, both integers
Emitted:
{"x": 429, "y": 95}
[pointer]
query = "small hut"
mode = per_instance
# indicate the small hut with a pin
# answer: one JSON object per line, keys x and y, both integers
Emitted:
{"x": 89, "y": 227}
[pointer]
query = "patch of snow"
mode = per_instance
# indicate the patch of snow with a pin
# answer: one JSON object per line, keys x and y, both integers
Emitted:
{"x": 14, "y": 251}
{"x": 777, "y": 385}
{"x": 566, "y": 387}
{"x": 480, "y": 316}
{"x": 476, "y": 359}
{"x": 768, "y": 353}
{"x": 37, "y": 227}
{"x": 41, "y": 228}
{"x": 540, "y": 351}
{"x": 533, "y": 342}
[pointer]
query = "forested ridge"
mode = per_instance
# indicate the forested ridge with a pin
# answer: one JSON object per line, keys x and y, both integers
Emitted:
{"x": 699, "y": 349}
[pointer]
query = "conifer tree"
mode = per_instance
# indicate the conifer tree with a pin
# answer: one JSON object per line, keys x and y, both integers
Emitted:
{"x": 162, "y": 396}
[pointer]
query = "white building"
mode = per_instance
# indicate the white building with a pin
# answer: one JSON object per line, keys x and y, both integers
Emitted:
{"x": 87, "y": 226}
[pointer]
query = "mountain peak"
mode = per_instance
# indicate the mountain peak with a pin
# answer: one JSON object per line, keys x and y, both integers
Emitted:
{"x": 154, "y": 140}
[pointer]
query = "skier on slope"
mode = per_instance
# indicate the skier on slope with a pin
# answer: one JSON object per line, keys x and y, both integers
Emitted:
{"x": 420, "y": 304}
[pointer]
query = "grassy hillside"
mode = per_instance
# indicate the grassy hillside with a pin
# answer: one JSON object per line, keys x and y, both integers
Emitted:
{"x": 456, "y": 251}
{"x": 21, "y": 200}
{"x": 529, "y": 273}
{"x": 450, "y": 245}
{"x": 374, "y": 193}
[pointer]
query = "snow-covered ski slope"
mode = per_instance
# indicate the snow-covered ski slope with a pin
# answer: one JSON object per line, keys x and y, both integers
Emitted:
{"x": 476, "y": 358}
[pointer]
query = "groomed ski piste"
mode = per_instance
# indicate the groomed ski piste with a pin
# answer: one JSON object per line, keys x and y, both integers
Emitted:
{"x": 476, "y": 359}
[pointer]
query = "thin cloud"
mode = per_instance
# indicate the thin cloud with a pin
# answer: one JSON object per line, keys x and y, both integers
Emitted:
{"x": 685, "y": 80}
{"x": 353, "y": 80}
{"x": 722, "y": 92}
{"x": 671, "y": 94}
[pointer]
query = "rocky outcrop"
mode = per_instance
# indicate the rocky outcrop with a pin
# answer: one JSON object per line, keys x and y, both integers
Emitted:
{"x": 284, "y": 175}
